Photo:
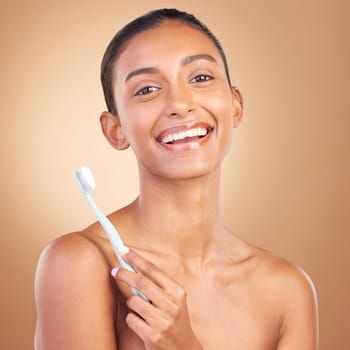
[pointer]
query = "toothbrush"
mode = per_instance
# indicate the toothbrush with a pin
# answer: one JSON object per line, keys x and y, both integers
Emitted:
{"x": 86, "y": 183}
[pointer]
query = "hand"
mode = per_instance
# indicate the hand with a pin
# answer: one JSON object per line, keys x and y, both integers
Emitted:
{"x": 162, "y": 324}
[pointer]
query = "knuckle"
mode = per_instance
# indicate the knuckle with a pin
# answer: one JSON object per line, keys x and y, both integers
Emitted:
{"x": 140, "y": 282}
{"x": 174, "y": 310}
{"x": 155, "y": 338}
{"x": 167, "y": 325}
{"x": 180, "y": 293}
{"x": 132, "y": 301}
{"x": 150, "y": 268}
{"x": 158, "y": 335}
{"x": 164, "y": 330}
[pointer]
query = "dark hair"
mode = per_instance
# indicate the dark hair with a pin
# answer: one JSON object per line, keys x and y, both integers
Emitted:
{"x": 138, "y": 25}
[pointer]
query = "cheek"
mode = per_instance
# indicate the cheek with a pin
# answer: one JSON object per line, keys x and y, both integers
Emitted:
{"x": 222, "y": 108}
{"x": 137, "y": 125}
{"x": 131, "y": 116}
{"x": 219, "y": 104}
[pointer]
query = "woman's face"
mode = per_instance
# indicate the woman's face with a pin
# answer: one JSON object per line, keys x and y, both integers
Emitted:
{"x": 174, "y": 103}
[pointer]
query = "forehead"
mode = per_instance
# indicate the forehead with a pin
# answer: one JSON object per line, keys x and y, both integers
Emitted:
{"x": 171, "y": 40}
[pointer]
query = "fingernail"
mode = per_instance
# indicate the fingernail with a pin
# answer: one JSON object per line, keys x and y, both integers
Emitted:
{"x": 123, "y": 249}
{"x": 114, "y": 271}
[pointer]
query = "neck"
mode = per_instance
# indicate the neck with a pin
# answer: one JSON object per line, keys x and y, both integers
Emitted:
{"x": 180, "y": 216}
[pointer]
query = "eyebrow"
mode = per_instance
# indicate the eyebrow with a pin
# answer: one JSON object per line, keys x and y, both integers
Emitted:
{"x": 184, "y": 62}
{"x": 141, "y": 71}
{"x": 189, "y": 59}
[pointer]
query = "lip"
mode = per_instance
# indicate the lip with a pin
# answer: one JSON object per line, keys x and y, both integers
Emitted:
{"x": 190, "y": 144}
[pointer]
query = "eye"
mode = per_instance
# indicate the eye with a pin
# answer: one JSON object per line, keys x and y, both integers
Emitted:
{"x": 201, "y": 78}
{"x": 146, "y": 90}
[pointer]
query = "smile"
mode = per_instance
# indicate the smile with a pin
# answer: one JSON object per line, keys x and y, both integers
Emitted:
{"x": 183, "y": 138}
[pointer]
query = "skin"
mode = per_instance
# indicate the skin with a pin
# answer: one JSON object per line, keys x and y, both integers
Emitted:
{"x": 209, "y": 289}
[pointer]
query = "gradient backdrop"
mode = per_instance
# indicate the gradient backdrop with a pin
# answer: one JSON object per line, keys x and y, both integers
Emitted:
{"x": 285, "y": 181}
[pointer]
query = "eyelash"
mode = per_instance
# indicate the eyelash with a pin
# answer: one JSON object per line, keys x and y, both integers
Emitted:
{"x": 201, "y": 78}
{"x": 146, "y": 90}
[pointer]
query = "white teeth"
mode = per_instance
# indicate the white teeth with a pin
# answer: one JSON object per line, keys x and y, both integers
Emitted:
{"x": 183, "y": 134}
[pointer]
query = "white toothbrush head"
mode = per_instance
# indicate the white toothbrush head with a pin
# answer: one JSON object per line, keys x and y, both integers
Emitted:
{"x": 84, "y": 179}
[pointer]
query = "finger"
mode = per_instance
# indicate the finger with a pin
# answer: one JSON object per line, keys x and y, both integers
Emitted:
{"x": 148, "y": 312}
{"x": 172, "y": 293}
{"x": 138, "y": 326}
{"x": 144, "y": 285}
{"x": 153, "y": 272}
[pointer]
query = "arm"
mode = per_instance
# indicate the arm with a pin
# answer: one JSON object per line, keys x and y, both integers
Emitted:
{"x": 74, "y": 298}
{"x": 299, "y": 328}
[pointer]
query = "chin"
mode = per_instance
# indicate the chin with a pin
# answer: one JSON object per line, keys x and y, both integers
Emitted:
{"x": 186, "y": 171}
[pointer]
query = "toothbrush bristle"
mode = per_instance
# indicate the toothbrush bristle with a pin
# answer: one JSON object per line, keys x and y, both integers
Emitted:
{"x": 85, "y": 179}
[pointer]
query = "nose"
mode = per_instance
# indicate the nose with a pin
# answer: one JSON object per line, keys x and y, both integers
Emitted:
{"x": 179, "y": 102}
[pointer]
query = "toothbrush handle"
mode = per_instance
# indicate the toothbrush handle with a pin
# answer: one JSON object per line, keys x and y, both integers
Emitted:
{"x": 114, "y": 238}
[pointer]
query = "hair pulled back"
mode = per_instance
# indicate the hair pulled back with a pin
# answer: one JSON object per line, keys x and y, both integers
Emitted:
{"x": 149, "y": 20}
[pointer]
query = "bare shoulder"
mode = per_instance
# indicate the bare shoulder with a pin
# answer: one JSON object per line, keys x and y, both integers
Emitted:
{"x": 74, "y": 292}
{"x": 294, "y": 297}
{"x": 273, "y": 271}
{"x": 72, "y": 258}
{"x": 74, "y": 250}
{"x": 283, "y": 274}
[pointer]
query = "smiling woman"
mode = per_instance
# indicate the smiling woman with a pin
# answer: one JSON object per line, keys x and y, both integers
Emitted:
{"x": 169, "y": 97}
{"x": 165, "y": 89}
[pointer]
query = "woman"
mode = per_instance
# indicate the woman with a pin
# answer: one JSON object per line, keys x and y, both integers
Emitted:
{"x": 169, "y": 97}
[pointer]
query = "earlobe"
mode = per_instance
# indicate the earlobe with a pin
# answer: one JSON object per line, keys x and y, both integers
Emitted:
{"x": 112, "y": 130}
{"x": 237, "y": 104}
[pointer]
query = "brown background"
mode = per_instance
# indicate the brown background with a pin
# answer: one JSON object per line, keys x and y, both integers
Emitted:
{"x": 285, "y": 181}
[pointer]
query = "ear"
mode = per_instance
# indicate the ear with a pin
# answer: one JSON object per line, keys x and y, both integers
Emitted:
{"x": 112, "y": 130}
{"x": 237, "y": 103}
